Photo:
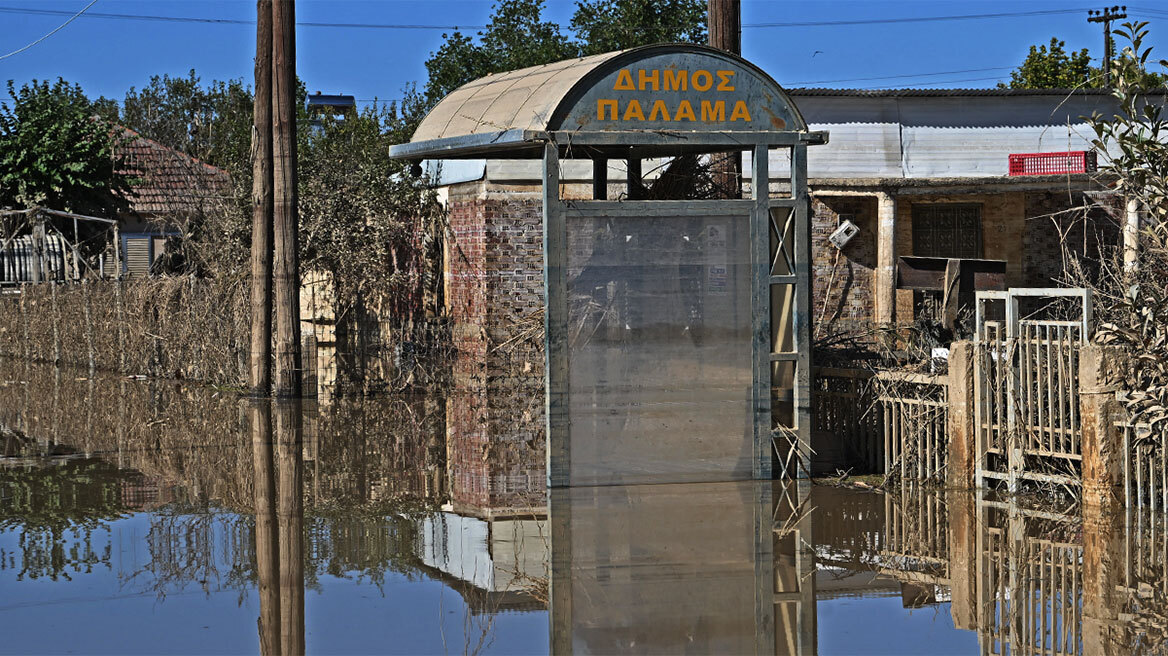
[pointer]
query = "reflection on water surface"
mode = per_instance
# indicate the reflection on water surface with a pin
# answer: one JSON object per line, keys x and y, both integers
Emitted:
{"x": 145, "y": 517}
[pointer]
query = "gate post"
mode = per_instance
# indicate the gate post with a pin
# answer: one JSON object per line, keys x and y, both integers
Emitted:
{"x": 962, "y": 451}
{"x": 1101, "y": 373}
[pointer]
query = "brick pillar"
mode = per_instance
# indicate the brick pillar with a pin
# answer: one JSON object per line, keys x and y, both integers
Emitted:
{"x": 885, "y": 297}
{"x": 962, "y": 438}
{"x": 1101, "y": 373}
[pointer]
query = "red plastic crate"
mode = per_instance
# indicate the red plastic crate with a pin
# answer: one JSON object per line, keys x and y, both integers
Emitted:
{"x": 1075, "y": 161}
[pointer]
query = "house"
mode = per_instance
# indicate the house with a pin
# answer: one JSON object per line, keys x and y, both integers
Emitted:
{"x": 171, "y": 189}
{"x": 926, "y": 173}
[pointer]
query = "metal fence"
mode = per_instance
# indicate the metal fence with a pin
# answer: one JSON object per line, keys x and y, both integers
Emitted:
{"x": 916, "y": 535}
{"x": 1030, "y": 581}
{"x": 914, "y": 411}
{"x": 1026, "y": 387}
{"x": 843, "y": 408}
{"x": 1145, "y": 468}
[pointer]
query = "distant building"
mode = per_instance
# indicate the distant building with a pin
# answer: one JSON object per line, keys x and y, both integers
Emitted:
{"x": 171, "y": 190}
{"x": 334, "y": 106}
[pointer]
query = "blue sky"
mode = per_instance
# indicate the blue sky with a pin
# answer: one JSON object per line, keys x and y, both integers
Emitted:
{"x": 107, "y": 56}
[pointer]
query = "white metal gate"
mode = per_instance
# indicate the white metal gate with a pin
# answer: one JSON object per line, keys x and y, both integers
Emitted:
{"x": 1026, "y": 386}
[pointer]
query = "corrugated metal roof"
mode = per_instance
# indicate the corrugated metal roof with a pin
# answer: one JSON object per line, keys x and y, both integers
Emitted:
{"x": 523, "y": 99}
{"x": 936, "y": 93}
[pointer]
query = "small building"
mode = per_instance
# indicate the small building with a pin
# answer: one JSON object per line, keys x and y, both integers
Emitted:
{"x": 171, "y": 191}
{"x": 927, "y": 173}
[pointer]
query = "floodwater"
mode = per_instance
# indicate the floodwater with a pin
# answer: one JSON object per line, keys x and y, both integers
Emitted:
{"x": 149, "y": 517}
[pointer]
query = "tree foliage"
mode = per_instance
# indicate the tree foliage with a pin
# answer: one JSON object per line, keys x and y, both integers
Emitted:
{"x": 1052, "y": 67}
{"x": 607, "y": 25}
{"x": 517, "y": 36}
{"x": 55, "y": 151}
{"x": 211, "y": 123}
{"x": 363, "y": 218}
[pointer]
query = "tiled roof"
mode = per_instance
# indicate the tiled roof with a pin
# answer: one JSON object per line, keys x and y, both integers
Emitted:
{"x": 168, "y": 181}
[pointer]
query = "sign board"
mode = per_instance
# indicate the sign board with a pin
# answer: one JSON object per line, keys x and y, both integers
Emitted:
{"x": 690, "y": 91}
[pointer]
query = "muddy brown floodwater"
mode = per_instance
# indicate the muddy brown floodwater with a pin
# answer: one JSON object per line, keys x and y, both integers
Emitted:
{"x": 150, "y": 517}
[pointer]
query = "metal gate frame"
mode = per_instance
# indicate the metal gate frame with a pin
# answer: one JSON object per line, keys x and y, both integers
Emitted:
{"x": 1006, "y": 350}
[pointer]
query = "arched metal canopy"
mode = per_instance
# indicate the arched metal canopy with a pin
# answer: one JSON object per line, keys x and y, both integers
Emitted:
{"x": 648, "y": 101}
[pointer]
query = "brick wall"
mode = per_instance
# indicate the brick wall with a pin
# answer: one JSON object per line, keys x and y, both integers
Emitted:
{"x": 495, "y": 421}
{"x": 845, "y": 282}
{"x": 1061, "y": 226}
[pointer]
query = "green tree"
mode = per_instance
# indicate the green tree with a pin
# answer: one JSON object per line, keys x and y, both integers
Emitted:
{"x": 607, "y": 25}
{"x": 56, "y": 152}
{"x": 1052, "y": 67}
{"x": 517, "y": 36}
{"x": 211, "y": 123}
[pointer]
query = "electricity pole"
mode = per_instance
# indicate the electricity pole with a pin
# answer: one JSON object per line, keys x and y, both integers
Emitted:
{"x": 724, "y": 25}
{"x": 1104, "y": 16}
{"x": 275, "y": 265}
{"x": 260, "y": 369}
{"x": 286, "y": 264}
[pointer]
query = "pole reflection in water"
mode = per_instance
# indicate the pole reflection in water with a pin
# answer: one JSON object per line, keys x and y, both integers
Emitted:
{"x": 279, "y": 524}
{"x": 691, "y": 568}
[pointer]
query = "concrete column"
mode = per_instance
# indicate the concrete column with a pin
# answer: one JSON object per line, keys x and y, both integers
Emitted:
{"x": 962, "y": 455}
{"x": 1103, "y": 567}
{"x": 885, "y": 296}
{"x": 962, "y": 559}
{"x": 1101, "y": 373}
{"x": 1131, "y": 234}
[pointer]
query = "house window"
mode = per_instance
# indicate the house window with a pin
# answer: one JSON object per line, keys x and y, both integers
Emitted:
{"x": 947, "y": 231}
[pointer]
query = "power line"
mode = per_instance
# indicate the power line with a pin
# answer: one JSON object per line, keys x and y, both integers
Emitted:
{"x": 58, "y": 29}
{"x": 229, "y": 21}
{"x": 924, "y": 84}
{"x": 406, "y": 26}
{"x": 917, "y": 19}
{"x": 906, "y": 75}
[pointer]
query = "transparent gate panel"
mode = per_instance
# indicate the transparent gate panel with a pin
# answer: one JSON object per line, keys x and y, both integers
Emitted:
{"x": 659, "y": 349}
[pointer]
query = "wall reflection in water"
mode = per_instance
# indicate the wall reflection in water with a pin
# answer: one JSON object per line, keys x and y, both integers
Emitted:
{"x": 153, "y": 490}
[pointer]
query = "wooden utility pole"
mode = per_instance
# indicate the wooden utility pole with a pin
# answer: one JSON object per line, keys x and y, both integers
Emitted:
{"x": 1105, "y": 16}
{"x": 260, "y": 371}
{"x": 286, "y": 266}
{"x": 724, "y": 24}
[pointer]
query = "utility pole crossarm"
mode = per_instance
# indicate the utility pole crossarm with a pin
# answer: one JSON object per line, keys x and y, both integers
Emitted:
{"x": 1105, "y": 16}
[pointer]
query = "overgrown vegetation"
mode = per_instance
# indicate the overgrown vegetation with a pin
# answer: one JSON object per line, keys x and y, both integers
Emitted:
{"x": 1132, "y": 299}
